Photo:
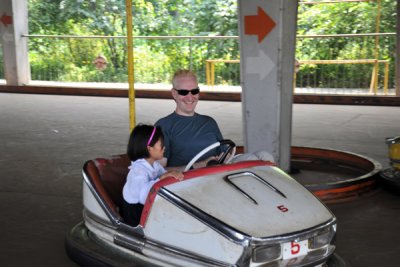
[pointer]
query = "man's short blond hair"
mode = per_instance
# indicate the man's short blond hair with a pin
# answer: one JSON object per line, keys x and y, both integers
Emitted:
{"x": 179, "y": 74}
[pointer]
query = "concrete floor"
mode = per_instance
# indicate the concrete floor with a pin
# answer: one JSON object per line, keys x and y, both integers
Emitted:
{"x": 46, "y": 139}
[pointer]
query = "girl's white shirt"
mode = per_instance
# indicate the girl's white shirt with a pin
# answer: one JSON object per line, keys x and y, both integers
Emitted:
{"x": 141, "y": 177}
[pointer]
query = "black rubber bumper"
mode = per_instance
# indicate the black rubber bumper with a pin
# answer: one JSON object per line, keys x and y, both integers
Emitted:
{"x": 87, "y": 251}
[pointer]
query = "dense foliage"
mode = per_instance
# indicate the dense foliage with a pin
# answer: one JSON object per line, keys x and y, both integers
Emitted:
{"x": 345, "y": 18}
{"x": 71, "y": 59}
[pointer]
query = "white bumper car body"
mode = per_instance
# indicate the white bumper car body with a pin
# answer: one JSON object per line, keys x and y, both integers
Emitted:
{"x": 248, "y": 213}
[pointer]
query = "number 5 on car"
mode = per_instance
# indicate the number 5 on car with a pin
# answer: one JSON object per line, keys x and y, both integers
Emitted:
{"x": 295, "y": 249}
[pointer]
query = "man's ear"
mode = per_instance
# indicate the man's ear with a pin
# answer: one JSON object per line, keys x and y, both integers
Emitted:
{"x": 173, "y": 93}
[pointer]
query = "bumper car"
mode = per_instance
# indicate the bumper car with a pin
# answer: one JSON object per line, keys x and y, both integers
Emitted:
{"x": 391, "y": 176}
{"x": 247, "y": 213}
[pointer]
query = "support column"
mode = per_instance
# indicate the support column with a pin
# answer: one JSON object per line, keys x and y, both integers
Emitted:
{"x": 13, "y": 24}
{"x": 397, "y": 56}
{"x": 267, "y": 42}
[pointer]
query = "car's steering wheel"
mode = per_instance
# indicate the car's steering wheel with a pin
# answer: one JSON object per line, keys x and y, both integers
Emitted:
{"x": 222, "y": 159}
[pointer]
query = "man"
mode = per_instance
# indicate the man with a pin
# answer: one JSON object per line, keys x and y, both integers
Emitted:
{"x": 296, "y": 65}
{"x": 100, "y": 62}
{"x": 186, "y": 132}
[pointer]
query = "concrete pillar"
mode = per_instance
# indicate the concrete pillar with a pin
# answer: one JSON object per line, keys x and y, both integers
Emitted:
{"x": 267, "y": 46}
{"x": 397, "y": 56}
{"x": 14, "y": 23}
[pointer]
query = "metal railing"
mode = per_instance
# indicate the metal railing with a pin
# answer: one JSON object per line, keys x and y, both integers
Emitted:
{"x": 1, "y": 63}
{"x": 373, "y": 88}
{"x": 155, "y": 57}
{"x": 72, "y": 59}
{"x": 352, "y": 64}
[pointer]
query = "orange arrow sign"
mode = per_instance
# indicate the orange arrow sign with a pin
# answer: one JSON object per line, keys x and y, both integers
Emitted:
{"x": 260, "y": 24}
{"x": 6, "y": 20}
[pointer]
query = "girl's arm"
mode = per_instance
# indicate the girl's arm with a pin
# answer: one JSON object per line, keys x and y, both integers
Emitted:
{"x": 176, "y": 174}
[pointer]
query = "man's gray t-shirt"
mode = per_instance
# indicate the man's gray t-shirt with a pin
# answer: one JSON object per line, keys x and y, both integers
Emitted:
{"x": 186, "y": 136}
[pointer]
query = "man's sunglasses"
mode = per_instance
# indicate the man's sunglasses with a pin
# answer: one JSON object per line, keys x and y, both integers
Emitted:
{"x": 184, "y": 92}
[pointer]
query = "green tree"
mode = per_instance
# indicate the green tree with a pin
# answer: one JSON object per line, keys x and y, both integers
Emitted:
{"x": 344, "y": 18}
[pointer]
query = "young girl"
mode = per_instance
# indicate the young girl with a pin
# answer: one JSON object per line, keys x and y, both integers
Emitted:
{"x": 145, "y": 148}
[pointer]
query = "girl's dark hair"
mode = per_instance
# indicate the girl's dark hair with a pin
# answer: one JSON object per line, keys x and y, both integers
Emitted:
{"x": 140, "y": 136}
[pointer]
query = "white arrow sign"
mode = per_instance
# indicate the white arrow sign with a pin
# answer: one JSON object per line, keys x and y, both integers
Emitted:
{"x": 7, "y": 37}
{"x": 261, "y": 65}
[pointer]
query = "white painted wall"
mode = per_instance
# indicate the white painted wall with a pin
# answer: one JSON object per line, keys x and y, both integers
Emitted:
{"x": 15, "y": 47}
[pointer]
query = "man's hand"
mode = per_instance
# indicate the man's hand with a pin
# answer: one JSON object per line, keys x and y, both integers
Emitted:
{"x": 203, "y": 163}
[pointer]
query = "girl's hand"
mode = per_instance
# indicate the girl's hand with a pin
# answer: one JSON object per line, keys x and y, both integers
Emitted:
{"x": 177, "y": 175}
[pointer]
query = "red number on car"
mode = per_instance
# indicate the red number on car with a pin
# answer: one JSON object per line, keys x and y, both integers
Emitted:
{"x": 295, "y": 248}
{"x": 283, "y": 208}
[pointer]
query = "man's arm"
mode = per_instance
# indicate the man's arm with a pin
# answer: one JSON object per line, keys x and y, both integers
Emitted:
{"x": 164, "y": 162}
{"x": 199, "y": 164}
